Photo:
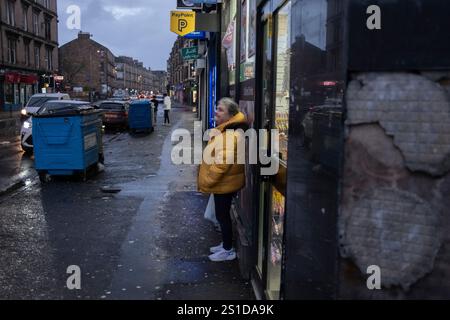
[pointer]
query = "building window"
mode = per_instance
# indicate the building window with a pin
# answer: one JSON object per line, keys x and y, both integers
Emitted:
{"x": 36, "y": 23}
{"x": 27, "y": 54}
{"x": 37, "y": 57}
{"x": 48, "y": 29}
{"x": 25, "y": 18}
{"x": 12, "y": 50}
{"x": 10, "y": 12}
{"x": 49, "y": 58}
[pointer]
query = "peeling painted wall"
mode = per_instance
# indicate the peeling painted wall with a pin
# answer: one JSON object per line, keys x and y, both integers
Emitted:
{"x": 395, "y": 208}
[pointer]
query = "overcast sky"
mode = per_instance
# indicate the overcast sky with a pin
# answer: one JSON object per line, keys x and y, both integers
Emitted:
{"x": 135, "y": 28}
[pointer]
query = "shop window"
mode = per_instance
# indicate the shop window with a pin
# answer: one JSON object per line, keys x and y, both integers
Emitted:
{"x": 277, "y": 195}
{"x": 282, "y": 76}
{"x": 229, "y": 40}
{"x": 276, "y": 244}
{"x": 9, "y": 93}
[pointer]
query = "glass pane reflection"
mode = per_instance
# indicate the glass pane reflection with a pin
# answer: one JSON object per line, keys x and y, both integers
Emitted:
{"x": 282, "y": 70}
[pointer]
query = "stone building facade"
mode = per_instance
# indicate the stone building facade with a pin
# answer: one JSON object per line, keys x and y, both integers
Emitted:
{"x": 92, "y": 71}
{"x": 159, "y": 81}
{"x": 28, "y": 54}
{"x": 181, "y": 73}
{"x": 132, "y": 76}
{"x": 88, "y": 67}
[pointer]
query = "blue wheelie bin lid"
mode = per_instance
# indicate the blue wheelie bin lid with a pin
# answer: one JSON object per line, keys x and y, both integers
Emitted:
{"x": 64, "y": 108}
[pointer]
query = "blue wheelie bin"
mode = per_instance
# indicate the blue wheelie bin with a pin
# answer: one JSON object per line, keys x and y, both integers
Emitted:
{"x": 140, "y": 116}
{"x": 67, "y": 142}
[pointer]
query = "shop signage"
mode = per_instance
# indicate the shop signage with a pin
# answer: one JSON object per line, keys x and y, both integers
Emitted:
{"x": 182, "y": 22}
{"x": 29, "y": 79}
{"x": 196, "y": 35}
{"x": 13, "y": 77}
{"x": 205, "y": 1}
{"x": 188, "y": 4}
{"x": 200, "y": 64}
{"x": 190, "y": 53}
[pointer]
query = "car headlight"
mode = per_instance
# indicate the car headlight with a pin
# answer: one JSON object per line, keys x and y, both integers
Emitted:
{"x": 24, "y": 112}
{"x": 27, "y": 125}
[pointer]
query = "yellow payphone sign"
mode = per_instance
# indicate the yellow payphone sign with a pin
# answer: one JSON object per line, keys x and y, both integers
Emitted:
{"x": 182, "y": 22}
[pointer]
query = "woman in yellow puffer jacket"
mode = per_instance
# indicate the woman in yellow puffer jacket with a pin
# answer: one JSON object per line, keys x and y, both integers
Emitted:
{"x": 221, "y": 174}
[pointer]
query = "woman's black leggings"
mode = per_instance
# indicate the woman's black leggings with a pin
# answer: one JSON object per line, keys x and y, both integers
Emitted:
{"x": 166, "y": 116}
{"x": 222, "y": 204}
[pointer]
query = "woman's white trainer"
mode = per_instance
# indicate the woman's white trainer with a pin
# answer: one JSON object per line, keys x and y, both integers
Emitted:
{"x": 223, "y": 255}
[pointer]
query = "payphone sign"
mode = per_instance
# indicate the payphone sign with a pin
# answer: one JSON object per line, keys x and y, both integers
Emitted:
{"x": 182, "y": 22}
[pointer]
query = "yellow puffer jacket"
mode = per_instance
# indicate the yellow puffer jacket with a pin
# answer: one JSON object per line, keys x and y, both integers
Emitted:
{"x": 225, "y": 177}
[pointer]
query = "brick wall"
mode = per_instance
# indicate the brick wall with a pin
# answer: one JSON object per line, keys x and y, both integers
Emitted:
{"x": 395, "y": 197}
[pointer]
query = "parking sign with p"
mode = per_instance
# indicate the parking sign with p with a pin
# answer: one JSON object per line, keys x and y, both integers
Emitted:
{"x": 182, "y": 22}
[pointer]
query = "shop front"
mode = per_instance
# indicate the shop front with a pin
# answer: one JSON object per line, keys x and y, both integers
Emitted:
{"x": 272, "y": 113}
{"x": 288, "y": 80}
{"x": 352, "y": 191}
{"x": 16, "y": 89}
{"x": 363, "y": 134}
{"x": 255, "y": 71}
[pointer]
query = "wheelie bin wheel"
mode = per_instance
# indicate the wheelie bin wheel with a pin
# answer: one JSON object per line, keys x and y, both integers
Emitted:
{"x": 101, "y": 158}
{"x": 44, "y": 177}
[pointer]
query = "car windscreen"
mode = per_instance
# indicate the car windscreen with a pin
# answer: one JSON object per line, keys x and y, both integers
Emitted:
{"x": 112, "y": 106}
{"x": 37, "y": 102}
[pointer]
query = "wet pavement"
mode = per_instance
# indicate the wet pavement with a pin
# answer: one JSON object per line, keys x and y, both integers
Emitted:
{"x": 15, "y": 166}
{"x": 147, "y": 241}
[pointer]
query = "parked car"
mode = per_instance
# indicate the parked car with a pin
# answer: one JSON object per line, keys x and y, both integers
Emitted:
{"x": 121, "y": 98}
{"x": 26, "y": 131}
{"x": 115, "y": 113}
{"x": 37, "y": 101}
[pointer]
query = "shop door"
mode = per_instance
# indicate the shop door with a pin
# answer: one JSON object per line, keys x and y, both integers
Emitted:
{"x": 274, "y": 106}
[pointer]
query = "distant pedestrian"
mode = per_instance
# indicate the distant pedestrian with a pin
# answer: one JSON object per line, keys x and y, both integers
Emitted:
{"x": 155, "y": 105}
{"x": 222, "y": 178}
{"x": 167, "y": 108}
